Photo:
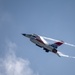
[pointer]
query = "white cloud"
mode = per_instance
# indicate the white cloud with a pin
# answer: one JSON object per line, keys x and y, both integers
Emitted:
{"x": 13, "y": 65}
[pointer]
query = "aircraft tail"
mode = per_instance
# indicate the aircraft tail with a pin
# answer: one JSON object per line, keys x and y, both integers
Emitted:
{"x": 59, "y": 43}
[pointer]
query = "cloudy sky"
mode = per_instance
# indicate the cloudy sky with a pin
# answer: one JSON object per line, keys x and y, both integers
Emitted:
{"x": 50, "y": 18}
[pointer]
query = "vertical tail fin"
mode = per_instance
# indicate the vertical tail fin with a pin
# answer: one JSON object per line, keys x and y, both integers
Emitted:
{"x": 59, "y": 43}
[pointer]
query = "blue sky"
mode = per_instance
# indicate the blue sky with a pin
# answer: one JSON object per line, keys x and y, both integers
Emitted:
{"x": 51, "y": 18}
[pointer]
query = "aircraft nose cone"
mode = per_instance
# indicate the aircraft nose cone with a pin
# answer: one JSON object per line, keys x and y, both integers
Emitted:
{"x": 24, "y": 34}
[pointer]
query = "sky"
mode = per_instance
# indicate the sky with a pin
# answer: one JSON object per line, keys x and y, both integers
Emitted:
{"x": 50, "y": 18}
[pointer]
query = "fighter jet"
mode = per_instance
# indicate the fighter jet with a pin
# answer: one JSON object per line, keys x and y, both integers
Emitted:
{"x": 42, "y": 43}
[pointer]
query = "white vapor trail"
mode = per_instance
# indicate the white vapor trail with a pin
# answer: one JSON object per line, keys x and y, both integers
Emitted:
{"x": 61, "y": 54}
{"x": 13, "y": 65}
{"x": 64, "y": 55}
{"x": 59, "y": 41}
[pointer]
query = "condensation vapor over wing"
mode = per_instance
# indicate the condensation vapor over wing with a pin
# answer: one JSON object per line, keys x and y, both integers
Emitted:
{"x": 59, "y": 41}
{"x": 64, "y": 55}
